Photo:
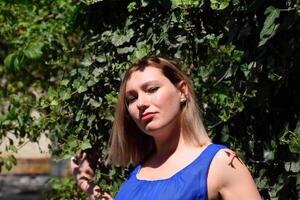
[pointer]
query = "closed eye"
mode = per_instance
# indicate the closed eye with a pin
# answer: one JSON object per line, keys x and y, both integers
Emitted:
{"x": 130, "y": 99}
{"x": 152, "y": 89}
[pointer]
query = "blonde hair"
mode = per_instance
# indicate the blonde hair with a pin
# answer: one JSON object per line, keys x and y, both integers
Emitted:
{"x": 128, "y": 143}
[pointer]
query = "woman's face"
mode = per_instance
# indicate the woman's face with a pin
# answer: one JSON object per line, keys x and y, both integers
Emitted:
{"x": 153, "y": 101}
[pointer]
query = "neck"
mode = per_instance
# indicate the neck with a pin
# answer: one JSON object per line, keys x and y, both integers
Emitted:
{"x": 169, "y": 142}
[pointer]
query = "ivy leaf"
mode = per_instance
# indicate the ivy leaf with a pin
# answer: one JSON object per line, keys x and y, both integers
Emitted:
{"x": 91, "y": 119}
{"x": 100, "y": 58}
{"x": 65, "y": 94}
{"x": 8, "y": 166}
{"x": 119, "y": 39}
{"x": 269, "y": 29}
{"x": 34, "y": 50}
{"x": 292, "y": 166}
{"x": 12, "y": 159}
{"x": 294, "y": 144}
{"x": 131, "y": 6}
{"x": 85, "y": 145}
{"x": 82, "y": 89}
{"x": 141, "y": 51}
{"x": 87, "y": 60}
{"x": 72, "y": 143}
{"x": 94, "y": 103}
{"x": 185, "y": 3}
{"x": 12, "y": 61}
{"x": 79, "y": 115}
{"x": 125, "y": 50}
{"x": 92, "y": 81}
{"x": 67, "y": 156}
{"x": 90, "y": 2}
{"x": 98, "y": 71}
{"x": 219, "y": 5}
{"x": 64, "y": 82}
{"x": 223, "y": 5}
{"x": 54, "y": 103}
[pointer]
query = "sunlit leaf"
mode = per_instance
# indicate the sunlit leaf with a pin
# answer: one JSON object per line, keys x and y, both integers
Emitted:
{"x": 34, "y": 50}
{"x": 270, "y": 27}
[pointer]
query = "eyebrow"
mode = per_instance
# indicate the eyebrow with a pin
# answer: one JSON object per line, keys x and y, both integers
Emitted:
{"x": 145, "y": 84}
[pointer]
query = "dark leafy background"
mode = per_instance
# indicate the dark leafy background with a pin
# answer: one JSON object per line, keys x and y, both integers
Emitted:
{"x": 62, "y": 62}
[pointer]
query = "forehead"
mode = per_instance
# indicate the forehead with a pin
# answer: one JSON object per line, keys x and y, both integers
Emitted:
{"x": 141, "y": 77}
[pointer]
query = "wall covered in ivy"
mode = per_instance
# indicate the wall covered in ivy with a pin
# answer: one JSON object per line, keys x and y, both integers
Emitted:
{"x": 63, "y": 62}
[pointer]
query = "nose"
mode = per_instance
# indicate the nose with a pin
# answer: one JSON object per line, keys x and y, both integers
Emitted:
{"x": 142, "y": 102}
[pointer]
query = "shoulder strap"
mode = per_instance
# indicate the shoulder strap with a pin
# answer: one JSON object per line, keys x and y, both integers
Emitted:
{"x": 208, "y": 155}
{"x": 134, "y": 171}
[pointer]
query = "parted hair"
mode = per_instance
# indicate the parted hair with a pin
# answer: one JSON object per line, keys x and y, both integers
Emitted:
{"x": 129, "y": 144}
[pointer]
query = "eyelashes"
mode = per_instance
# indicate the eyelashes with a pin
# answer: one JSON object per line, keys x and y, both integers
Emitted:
{"x": 131, "y": 98}
{"x": 152, "y": 89}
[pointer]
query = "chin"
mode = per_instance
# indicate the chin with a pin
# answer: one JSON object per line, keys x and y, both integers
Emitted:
{"x": 152, "y": 130}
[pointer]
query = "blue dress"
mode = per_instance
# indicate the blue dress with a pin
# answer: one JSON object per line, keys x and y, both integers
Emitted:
{"x": 188, "y": 184}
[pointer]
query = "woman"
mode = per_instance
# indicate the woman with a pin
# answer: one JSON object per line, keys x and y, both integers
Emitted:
{"x": 157, "y": 126}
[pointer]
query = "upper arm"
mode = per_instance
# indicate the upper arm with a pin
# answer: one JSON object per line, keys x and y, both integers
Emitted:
{"x": 229, "y": 177}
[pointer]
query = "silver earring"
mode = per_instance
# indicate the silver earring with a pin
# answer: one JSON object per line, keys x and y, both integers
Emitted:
{"x": 183, "y": 101}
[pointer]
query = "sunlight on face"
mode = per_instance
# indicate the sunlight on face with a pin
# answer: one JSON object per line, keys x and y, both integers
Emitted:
{"x": 152, "y": 100}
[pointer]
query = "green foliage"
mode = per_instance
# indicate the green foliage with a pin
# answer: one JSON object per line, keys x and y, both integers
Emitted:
{"x": 64, "y": 189}
{"x": 242, "y": 59}
{"x": 270, "y": 27}
{"x": 37, "y": 41}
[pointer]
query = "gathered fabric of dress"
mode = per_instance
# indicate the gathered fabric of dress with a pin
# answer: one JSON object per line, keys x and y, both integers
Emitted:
{"x": 190, "y": 183}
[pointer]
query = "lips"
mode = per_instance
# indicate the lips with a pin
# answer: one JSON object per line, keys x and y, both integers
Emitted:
{"x": 147, "y": 116}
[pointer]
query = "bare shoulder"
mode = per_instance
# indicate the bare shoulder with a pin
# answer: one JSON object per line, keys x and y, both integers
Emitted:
{"x": 228, "y": 159}
{"x": 229, "y": 178}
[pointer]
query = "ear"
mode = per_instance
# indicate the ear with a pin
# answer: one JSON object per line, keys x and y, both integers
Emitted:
{"x": 183, "y": 89}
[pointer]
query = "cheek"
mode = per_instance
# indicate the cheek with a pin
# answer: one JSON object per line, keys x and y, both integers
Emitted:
{"x": 167, "y": 99}
{"x": 132, "y": 112}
